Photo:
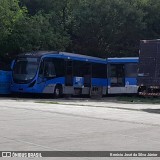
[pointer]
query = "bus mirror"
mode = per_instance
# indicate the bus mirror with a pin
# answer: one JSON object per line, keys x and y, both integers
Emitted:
{"x": 12, "y": 64}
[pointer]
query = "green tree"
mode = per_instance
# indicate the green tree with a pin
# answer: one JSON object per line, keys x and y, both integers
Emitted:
{"x": 43, "y": 28}
{"x": 10, "y": 13}
{"x": 107, "y": 27}
{"x": 95, "y": 27}
{"x": 36, "y": 33}
{"x": 151, "y": 19}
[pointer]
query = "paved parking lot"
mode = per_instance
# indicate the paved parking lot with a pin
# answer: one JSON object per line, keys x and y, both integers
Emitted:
{"x": 78, "y": 125}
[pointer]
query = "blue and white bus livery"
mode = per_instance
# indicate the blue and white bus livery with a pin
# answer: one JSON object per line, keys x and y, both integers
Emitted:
{"x": 122, "y": 75}
{"x": 59, "y": 73}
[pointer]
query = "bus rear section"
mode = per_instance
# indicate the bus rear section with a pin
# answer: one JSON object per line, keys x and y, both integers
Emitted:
{"x": 122, "y": 75}
{"x": 149, "y": 68}
{"x": 5, "y": 76}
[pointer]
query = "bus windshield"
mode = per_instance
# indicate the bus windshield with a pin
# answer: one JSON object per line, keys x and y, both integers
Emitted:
{"x": 25, "y": 69}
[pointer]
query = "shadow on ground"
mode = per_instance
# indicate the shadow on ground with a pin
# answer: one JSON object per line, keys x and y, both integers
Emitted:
{"x": 157, "y": 111}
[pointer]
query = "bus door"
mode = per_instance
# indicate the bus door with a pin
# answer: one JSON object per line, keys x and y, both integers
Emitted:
{"x": 87, "y": 74}
{"x": 69, "y": 73}
{"x": 117, "y": 75}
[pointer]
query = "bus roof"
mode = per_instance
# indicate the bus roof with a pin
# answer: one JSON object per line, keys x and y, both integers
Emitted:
{"x": 82, "y": 57}
{"x": 64, "y": 55}
{"x": 123, "y": 60}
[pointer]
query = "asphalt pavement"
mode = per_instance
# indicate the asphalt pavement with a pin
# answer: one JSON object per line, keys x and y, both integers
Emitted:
{"x": 78, "y": 125}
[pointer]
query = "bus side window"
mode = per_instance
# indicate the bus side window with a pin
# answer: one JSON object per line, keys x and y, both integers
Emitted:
{"x": 131, "y": 70}
{"x": 86, "y": 69}
{"x": 49, "y": 69}
{"x": 99, "y": 70}
{"x": 112, "y": 71}
{"x": 59, "y": 67}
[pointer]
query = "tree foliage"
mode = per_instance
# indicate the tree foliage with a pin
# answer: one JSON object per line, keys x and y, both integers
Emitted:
{"x": 10, "y": 14}
{"x": 94, "y": 27}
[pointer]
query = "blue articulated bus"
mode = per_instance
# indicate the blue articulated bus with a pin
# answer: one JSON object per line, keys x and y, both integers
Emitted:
{"x": 122, "y": 75}
{"x": 59, "y": 73}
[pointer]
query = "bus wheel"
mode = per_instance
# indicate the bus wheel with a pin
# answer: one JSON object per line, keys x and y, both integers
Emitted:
{"x": 58, "y": 91}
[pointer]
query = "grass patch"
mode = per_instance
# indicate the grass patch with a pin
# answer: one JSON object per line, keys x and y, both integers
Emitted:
{"x": 136, "y": 99}
{"x": 47, "y": 102}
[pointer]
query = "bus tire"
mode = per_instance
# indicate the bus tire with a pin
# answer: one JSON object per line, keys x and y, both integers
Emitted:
{"x": 58, "y": 91}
